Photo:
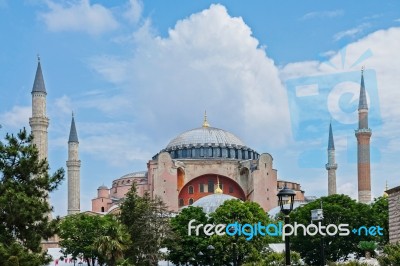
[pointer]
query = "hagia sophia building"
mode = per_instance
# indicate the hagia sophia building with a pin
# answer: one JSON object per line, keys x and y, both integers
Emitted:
{"x": 195, "y": 164}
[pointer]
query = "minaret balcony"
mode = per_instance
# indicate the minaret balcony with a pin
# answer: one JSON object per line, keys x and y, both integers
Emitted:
{"x": 331, "y": 166}
{"x": 363, "y": 131}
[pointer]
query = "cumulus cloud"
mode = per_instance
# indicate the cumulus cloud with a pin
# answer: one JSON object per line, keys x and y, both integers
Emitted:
{"x": 79, "y": 16}
{"x": 134, "y": 11}
{"x": 17, "y": 116}
{"x": 208, "y": 61}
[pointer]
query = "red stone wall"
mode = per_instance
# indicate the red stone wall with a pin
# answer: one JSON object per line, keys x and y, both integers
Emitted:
{"x": 195, "y": 183}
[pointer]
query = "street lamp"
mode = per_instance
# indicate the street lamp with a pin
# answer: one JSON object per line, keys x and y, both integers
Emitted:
{"x": 318, "y": 215}
{"x": 285, "y": 200}
{"x": 211, "y": 249}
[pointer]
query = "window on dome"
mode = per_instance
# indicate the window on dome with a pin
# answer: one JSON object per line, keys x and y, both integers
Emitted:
{"x": 201, "y": 188}
{"x": 191, "y": 190}
{"x": 224, "y": 152}
{"x": 181, "y": 202}
{"x": 184, "y": 153}
{"x": 209, "y": 152}
{"x": 201, "y": 152}
{"x": 217, "y": 152}
{"x": 230, "y": 189}
{"x": 190, "y": 201}
{"x": 232, "y": 153}
{"x": 189, "y": 153}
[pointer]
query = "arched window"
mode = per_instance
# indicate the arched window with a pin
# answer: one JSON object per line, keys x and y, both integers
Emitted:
{"x": 190, "y": 201}
{"x": 102, "y": 209}
{"x": 181, "y": 202}
{"x": 191, "y": 190}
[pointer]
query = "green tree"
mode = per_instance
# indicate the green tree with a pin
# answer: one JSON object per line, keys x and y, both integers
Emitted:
{"x": 390, "y": 256}
{"x": 78, "y": 235}
{"x": 236, "y": 249}
{"x": 182, "y": 247}
{"x": 146, "y": 220}
{"x": 24, "y": 187}
{"x": 278, "y": 259}
{"x": 379, "y": 215}
{"x": 113, "y": 241}
{"x": 338, "y": 209}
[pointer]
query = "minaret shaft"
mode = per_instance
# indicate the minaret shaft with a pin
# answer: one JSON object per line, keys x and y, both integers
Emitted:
{"x": 73, "y": 165}
{"x": 39, "y": 121}
{"x": 331, "y": 166}
{"x": 363, "y": 135}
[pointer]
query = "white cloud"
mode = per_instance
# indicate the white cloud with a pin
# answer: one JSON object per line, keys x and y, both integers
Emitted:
{"x": 353, "y": 32}
{"x": 323, "y": 14}
{"x": 79, "y": 16}
{"x": 17, "y": 117}
{"x": 134, "y": 11}
{"x": 126, "y": 142}
{"x": 208, "y": 61}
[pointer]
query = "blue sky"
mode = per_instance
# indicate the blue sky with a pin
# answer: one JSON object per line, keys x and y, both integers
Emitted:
{"x": 137, "y": 74}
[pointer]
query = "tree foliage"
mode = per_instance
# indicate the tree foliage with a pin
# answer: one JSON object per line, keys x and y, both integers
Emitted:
{"x": 183, "y": 247}
{"x": 226, "y": 250}
{"x": 391, "y": 255}
{"x": 24, "y": 187}
{"x": 146, "y": 220}
{"x": 338, "y": 209}
{"x": 93, "y": 237}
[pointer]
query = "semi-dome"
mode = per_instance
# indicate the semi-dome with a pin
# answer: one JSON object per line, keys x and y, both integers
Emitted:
{"x": 211, "y": 202}
{"x": 205, "y": 136}
{"x": 208, "y": 142}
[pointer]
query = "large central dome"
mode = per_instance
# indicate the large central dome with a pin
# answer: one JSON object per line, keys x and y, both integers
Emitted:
{"x": 208, "y": 143}
{"x": 206, "y": 136}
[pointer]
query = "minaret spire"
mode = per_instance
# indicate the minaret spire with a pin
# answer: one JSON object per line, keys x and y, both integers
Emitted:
{"x": 73, "y": 135}
{"x": 73, "y": 165}
{"x": 363, "y": 135}
{"x": 362, "y": 104}
{"x": 331, "y": 166}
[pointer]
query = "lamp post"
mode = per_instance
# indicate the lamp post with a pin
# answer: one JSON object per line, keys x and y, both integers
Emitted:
{"x": 318, "y": 215}
{"x": 211, "y": 249}
{"x": 285, "y": 200}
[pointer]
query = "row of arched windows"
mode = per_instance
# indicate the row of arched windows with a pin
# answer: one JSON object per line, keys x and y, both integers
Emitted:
{"x": 210, "y": 187}
{"x": 182, "y": 202}
{"x": 214, "y": 152}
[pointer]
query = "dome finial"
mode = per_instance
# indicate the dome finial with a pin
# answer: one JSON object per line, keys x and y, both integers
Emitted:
{"x": 385, "y": 194}
{"x": 218, "y": 190}
{"x": 205, "y": 122}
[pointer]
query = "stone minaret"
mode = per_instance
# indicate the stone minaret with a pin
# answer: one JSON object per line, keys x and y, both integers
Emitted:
{"x": 39, "y": 122}
{"x": 363, "y": 135}
{"x": 331, "y": 166}
{"x": 74, "y": 176}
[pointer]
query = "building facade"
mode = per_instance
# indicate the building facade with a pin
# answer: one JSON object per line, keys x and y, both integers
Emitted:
{"x": 190, "y": 167}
